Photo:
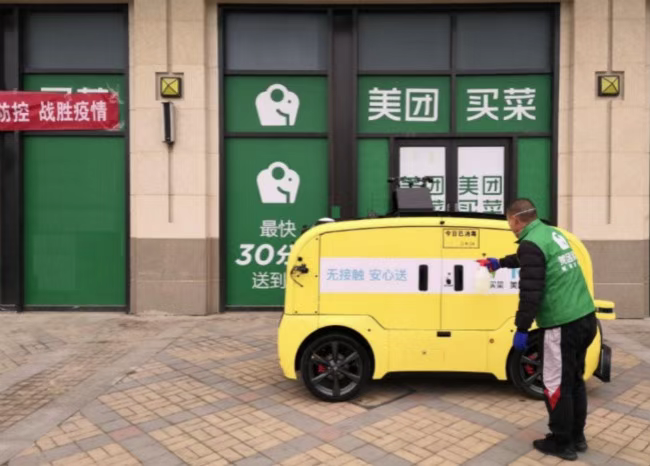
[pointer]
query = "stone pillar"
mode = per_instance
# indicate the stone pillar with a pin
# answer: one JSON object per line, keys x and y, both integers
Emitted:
{"x": 170, "y": 258}
{"x": 604, "y": 146}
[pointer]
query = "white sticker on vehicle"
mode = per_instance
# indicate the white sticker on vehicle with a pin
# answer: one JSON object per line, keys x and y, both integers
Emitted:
{"x": 408, "y": 275}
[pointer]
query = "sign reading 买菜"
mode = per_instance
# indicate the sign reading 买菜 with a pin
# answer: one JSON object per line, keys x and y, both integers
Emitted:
{"x": 504, "y": 103}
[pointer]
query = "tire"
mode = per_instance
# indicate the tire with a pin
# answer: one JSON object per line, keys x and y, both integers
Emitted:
{"x": 525, "y": 368}
{"x": 325, "y": 372}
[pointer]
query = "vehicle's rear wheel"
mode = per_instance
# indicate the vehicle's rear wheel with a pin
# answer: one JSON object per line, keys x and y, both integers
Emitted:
{"x": 335, "y": 367}
{"x": 525, "y": 368}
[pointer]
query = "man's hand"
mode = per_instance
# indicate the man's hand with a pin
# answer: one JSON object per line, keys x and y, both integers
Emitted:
{"x": 520, "y": 341}
{"x": 492, "y": 264}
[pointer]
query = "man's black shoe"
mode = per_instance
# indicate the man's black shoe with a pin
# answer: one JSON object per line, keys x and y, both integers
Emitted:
{"x": 580, "y": 443}
{"x": 550, "y": 446}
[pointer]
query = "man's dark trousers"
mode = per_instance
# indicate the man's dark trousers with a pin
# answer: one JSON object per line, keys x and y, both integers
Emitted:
{"x": 563, "y": 368}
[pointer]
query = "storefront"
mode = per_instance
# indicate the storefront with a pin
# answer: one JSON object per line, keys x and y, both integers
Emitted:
{"x": 280, "y": 115}
{"x": 322, "y": 106}
{"x": 64, "y": 195}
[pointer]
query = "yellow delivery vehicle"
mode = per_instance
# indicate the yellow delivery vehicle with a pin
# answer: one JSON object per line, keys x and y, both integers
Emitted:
{"x": 370, "y": 297}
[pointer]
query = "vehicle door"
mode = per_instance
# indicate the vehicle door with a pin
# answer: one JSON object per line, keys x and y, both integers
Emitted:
{"x": 392, "y": 275}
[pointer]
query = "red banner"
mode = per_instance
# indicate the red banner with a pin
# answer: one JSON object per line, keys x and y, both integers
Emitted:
{"x": 53, "y": 111}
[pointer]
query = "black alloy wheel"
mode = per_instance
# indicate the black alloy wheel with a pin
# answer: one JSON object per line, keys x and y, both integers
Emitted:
{"x": 525, "y": 368}
{"x": 335, "y": 367}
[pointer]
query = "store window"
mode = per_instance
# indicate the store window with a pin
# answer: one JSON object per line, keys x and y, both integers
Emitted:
{"x": 75, "y": 40}
{"x": 399, "y": 41}
{"x": 276, "y": 41}
{"x": 491, "y": 41}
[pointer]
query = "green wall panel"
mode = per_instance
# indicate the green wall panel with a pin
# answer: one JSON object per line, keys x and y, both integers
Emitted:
{"x": 75, "y": 231}
{"x": 275, "y": 186}
{"x": 517, "y": 104}
{"x": 534, "y": 173}
{"x": 276, "y": 104}
{"x": 373, "y": 189}
{"x": 75, "y": 83}
{"x": 404, "y": 104}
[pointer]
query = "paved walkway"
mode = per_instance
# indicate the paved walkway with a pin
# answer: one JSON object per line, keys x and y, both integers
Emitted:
{"x": 108, "y": 389}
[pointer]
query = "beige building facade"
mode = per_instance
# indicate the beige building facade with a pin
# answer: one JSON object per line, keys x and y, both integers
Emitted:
{"x": 602, "y": 149}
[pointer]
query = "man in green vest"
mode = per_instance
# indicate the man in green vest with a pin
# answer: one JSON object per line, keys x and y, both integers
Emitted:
{"x": 553, "y": 291}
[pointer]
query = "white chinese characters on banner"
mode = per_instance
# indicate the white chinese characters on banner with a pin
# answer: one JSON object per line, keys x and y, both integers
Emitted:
{"x": 481, "y": 179}
{"x": 418, "y": 105}
{"x": 265, "y": 254}
{"x": 54, "y": 112}
{"x": 420, "y": 162}
{"x": 518, "y": 104}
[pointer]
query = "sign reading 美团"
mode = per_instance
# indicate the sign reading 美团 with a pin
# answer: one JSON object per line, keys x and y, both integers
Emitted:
{"x": 406, "y": 104}
{"x": 53, "y": 111}
{"x": 504, "y": 103}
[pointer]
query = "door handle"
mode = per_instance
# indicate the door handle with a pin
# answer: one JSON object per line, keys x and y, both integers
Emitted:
{"x": 423, "y": 284}
{"x": 458, "y": 278}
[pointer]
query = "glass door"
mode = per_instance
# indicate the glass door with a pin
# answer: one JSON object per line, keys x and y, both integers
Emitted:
{"x": 461, "y": 175}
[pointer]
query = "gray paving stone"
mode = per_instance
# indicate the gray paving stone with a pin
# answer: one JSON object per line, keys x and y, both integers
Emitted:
{"x": 369, "y": 453}
{"x": 472, "y": 416}
{"x": 149, "y": 452}
{"x": 281, "y": 452}
{"x": 34, "y": 460}
{"x": 137, "y": 442}
{"x": 505, "y": 427}
{"x": 164, "y": 460}
{"x": 205, "y": 410}
{"x": 61, "y": 452}
{"x": 391, "y": 460}
{"x": 521, "y": 447}
{"x": 114, "y": 425}
{"x": 257, "y": 460}
{"x": 94, "y": 442}
{"x": 304, "y": 443}
{"x": 262, "y": 403}
{"x": 301, "y": 421}
{"x": 641, "y": 413}
{"x": 499, "y": 455}
{"x": 619, "y": 462}
{"x": 618, "y": 407}
{"x": 226, "y": 403}
{"x": 348, "y": 443}
{"x": 156, "y": 424}
{"x": 278, "y": 409}
{"x": 478, "y": 461}
{"x": 183, "y": 416}
{"x": 594, "y": 457}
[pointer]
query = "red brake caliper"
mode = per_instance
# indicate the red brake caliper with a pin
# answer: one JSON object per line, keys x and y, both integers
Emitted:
{"x": 321, "y": 369}
{"x": 530, "y": 370}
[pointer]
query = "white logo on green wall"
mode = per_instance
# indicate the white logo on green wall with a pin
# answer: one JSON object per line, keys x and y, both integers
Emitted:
{"x": 278, "y": 184}
{"x": 277, "y": 106}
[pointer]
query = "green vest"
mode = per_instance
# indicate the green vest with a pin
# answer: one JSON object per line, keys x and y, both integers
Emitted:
{"x": 566, "y": 296}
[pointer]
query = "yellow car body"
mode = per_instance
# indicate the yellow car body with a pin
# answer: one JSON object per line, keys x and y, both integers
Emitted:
{"x": 364, "y": 278}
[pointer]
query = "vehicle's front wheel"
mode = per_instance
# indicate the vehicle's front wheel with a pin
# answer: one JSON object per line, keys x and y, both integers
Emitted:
{"x": 335, "y": 367}
{"x": 525, "y": 368}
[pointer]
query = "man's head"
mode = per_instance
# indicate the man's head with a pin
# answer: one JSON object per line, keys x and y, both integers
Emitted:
{"x": 519, "y": 214}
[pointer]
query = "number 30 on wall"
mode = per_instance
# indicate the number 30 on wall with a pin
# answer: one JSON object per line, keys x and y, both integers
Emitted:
{"x": 264, "y": 254}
